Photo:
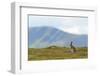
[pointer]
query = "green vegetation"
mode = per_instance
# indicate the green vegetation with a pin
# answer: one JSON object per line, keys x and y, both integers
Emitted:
{"x": 53, "y": 53}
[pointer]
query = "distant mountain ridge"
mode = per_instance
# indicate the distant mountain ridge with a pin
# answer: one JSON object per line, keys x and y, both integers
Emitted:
{"x": 41, "y": 37}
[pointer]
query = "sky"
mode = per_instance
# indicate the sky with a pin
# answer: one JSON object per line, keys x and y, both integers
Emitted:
{"x": 75, "y": 25}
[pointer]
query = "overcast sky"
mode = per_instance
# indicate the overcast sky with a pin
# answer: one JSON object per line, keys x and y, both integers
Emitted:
{"x": 76, "y": 25}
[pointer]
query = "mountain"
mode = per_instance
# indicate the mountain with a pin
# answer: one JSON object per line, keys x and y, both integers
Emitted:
{"x": 41, "y": 37}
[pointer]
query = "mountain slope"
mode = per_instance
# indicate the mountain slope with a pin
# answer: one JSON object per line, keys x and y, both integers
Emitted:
{"x": 41, "y": 37}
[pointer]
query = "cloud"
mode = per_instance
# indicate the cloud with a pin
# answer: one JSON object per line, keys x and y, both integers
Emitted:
{"x": 73, "y": 30}
{"x": 74, "y": 25}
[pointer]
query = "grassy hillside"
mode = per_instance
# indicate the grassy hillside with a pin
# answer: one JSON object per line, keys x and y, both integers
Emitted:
{"x": 53, "y": 53}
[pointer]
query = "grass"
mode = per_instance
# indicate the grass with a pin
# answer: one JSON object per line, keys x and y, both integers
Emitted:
{"x": 54, "y": 53}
